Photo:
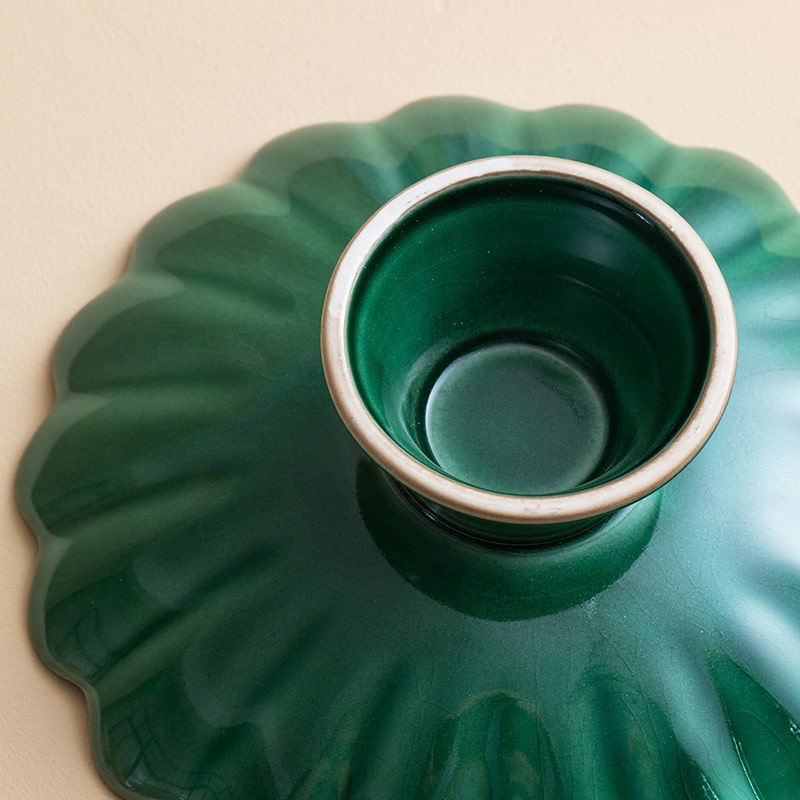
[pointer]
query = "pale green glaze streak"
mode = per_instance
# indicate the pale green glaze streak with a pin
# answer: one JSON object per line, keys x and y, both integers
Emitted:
{"x": 255, "y": 611}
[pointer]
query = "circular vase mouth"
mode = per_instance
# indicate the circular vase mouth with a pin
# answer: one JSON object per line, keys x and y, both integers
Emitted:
{"x": 529, "y": 340}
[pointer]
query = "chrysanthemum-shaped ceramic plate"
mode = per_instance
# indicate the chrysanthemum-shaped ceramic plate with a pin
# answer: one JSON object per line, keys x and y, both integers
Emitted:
{"x": 254, "y": 612}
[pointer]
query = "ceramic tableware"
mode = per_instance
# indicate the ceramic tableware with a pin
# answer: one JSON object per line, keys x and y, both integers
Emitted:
{"x": 528, "y": 344}
{"x": 257, "y": 608}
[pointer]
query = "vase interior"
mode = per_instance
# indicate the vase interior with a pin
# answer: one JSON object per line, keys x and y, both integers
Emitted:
{"x": 528, "y": 335}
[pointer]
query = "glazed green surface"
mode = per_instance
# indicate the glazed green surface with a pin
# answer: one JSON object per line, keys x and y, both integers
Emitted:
{"x": 255, "y": 611}
{"x": 518, "y": 418}
{"x": 551, "y": 268}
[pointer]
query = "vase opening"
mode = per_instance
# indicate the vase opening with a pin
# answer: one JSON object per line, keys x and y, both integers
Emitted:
{"x": 529, "y": 341}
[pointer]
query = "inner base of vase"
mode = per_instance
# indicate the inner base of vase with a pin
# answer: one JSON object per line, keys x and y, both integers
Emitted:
{"x": 518, "y": 418}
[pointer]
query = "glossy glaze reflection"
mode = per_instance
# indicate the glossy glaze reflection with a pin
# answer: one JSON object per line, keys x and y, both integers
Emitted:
{"x": 202, "y": 512}
{"x": 568, "y": 264}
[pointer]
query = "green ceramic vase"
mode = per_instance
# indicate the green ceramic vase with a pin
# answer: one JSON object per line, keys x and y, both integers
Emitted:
{"x": 528, "y": 344}
{"x": 259, "y": 608}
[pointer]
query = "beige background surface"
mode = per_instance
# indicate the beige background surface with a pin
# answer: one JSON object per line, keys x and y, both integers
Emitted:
{"x": 110, "y": 110}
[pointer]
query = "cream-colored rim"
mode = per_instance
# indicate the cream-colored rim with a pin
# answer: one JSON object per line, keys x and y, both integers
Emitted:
{"x": 575, "y": 506}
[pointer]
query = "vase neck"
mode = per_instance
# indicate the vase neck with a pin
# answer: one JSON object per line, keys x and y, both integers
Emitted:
{"x": 498, "y": 582}
{"x": 499, "y": 534}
